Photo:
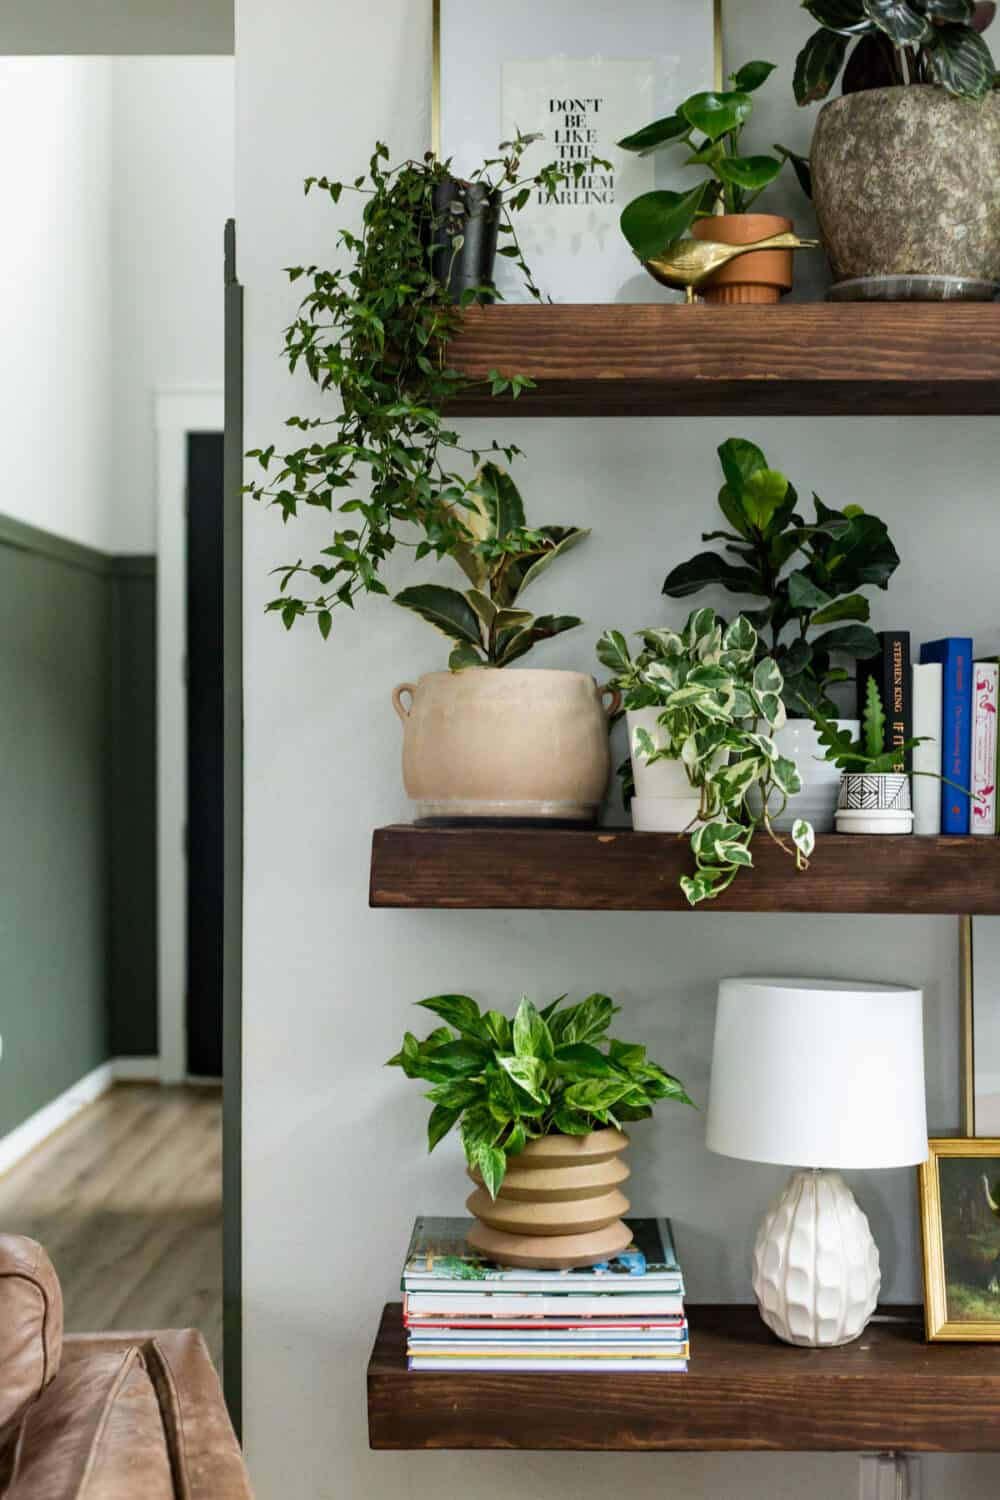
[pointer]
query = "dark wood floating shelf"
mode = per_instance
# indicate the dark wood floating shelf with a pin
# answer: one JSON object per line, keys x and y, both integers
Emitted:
{"x": 805, "y": 359}
{"x": 548, "y": 869}
{"x": 744, "y": 1391}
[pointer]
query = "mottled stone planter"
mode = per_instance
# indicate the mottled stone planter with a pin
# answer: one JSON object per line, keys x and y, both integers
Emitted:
{"x": 907, "y": 182}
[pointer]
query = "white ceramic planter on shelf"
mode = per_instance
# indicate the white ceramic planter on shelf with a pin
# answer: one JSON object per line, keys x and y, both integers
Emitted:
{"x": 664, "y": 801}
{"x": 874, "y": 804}
{"x": 798, "y": 740}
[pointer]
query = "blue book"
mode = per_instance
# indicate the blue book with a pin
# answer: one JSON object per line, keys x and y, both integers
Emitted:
{"x": 955, "y": 656}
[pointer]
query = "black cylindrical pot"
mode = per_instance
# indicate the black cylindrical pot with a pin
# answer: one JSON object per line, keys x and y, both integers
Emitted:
{"x": 470, "y": 212}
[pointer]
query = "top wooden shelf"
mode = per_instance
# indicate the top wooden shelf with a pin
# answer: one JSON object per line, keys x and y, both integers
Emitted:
{"x": 805, "y": 359}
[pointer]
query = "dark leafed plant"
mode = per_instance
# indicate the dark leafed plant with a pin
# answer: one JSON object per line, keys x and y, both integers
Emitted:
{"x": 377, "y": 332}
{"x": 708, "y": 127}
{"x": 880, "y": 43}
{"x": 809, "y": 575}
{"x": 548, "y": 1072}
{"x": 500, "y": 558}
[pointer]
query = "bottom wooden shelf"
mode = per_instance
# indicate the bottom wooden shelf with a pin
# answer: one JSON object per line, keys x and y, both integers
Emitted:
{"x": 744, "y": 1390}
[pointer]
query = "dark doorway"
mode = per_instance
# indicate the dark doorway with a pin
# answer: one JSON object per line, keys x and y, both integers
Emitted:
{"x": 205, "y": 679}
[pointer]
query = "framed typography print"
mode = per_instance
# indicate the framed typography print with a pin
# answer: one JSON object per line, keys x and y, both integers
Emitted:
{"x": 583, "y": 74}
{"x": 960, "y": 1219}
{"x": 981, "y": 1025}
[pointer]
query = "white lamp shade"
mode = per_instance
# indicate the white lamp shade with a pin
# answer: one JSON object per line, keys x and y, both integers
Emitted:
{"x": 818, "y": 1073}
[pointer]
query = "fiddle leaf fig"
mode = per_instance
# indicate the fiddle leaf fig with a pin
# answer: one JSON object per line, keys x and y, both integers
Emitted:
{"x": 805, "y": 576}
{"x": 565, "y": 1076}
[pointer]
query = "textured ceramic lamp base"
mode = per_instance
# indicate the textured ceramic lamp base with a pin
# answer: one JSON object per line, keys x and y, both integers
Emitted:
{"x": 815, "y": 1265}
{"x": 560, "y": 1205}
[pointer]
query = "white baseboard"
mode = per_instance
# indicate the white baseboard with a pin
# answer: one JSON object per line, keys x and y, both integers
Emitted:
{"x": 136, "y": 1069}
{"x": 17, "y": 1143}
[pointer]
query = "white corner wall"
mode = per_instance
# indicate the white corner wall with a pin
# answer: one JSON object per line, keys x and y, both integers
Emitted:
{"x": 172, "y": 194}
{"x": 55, "y": 266}
{"x": 334, "y": 1162}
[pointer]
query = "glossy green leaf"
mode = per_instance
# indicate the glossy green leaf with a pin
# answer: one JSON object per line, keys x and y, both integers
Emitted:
{"x": 803, "y": 593}
{"x": 613, "y": 652}
{"x": 839, "y": 15}
{"x": 818, "y": 65}
{"x": 961, "y": 61}
{"x": 492, "y": 1164}
{"x": 708, "y": 569}
{"x": 501, "y": 500}
{"x": 660, "y": 133}
{"x": 446, "y": 609}
{"x": 750, "y": 172}
{"x": 850, "y": 640}
{"x": 576, "y": 1060}
{"x": 961, "y": 11}
{"x": 459, "y": 1011}
{"x": 851, "y": 607}
{"x": 462, "y": 657}
{"x": 531, "y": 1033}
{"x": 717, "y": 114}
{"x": 654, "y": 220}
{"x": 902, "y": 24}
{"x": 528, "y": 1073}
{"x": 440, "y": 1122}
{"x": 740, "y": 459}
{"x": 751, "y": 76}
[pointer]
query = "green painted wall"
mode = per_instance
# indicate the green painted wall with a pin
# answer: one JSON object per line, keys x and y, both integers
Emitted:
{"x": 77, "y": 922}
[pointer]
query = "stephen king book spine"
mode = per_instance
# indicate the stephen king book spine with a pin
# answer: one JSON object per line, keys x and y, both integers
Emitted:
{"x": 955, "y": 656}
{"x": 891, "y": 670}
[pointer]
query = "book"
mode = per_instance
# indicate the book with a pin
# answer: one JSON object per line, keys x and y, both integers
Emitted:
{"x": 542, "y": 1328}
{"x": 440, "y": 1257}
{"x": 985, "y": 681}
{"x": 627, "y": 1303}
{"x": 586, "y": 1366}
{"x": 927, "y": 757}
{"x": 891, "y": 670}
{"x": 955, "y": 655}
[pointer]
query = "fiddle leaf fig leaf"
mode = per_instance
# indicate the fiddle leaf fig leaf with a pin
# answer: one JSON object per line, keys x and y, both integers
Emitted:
{"x": 851, "y": 607}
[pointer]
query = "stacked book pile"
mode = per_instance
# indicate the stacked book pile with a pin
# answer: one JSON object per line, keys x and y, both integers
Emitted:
{"x": 464, "y": 1313}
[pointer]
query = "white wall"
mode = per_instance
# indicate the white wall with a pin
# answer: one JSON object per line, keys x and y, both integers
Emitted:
{"x": 335, "y": 1167}
{"x": 55, "y": 267}
{"x": 116, "y": 26}
{"x": 173, "y": 191}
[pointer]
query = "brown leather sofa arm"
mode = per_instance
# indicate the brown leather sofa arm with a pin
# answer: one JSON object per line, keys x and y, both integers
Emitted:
{"x": 205, "y": 1458}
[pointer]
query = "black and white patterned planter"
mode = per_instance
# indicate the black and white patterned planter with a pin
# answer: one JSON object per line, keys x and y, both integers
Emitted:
{"x": 874, "y": 804}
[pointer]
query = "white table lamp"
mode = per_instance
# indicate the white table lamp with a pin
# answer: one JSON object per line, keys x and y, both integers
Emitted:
{"x": 817, "y": 1073}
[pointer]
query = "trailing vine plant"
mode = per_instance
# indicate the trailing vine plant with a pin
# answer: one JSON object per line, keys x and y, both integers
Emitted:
{"x": 377, "y": 331}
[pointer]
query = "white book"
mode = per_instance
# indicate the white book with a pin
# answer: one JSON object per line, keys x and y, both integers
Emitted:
{"x": 927, "y": 711}
{"x": 541, "y": 1366}
{"x": 983, "y": 812}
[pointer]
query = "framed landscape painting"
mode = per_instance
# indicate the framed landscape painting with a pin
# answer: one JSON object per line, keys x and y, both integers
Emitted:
{"x": 960, "y": 1218}
{"x": 583, "y": 74}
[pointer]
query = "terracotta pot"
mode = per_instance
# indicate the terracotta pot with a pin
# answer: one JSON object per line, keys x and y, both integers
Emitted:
{"x": 764, "y": 276}
{"x": 560, "y": 1204}
{"x": 905, "y": 183}
{"x": 498, "y": 744}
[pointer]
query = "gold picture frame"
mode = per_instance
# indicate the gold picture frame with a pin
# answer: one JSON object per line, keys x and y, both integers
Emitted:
{"x": 436, "y": 66}
{"x": 968, "y": 1245}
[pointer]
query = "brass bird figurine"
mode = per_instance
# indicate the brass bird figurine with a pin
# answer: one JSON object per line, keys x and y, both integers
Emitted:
{"x": 689, "y": 263}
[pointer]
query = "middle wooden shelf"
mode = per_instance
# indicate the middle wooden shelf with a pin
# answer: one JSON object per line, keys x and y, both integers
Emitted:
{"x": 614, "y": 869}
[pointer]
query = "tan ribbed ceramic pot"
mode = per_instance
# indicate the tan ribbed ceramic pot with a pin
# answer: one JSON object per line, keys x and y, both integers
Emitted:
{"x": 560, "y": 1205}
{"x": 496, "y": 743}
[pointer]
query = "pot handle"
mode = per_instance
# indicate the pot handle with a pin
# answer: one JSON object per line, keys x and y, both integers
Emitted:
{"x": 402, "y": 710}
{"x": 610, "y": 709}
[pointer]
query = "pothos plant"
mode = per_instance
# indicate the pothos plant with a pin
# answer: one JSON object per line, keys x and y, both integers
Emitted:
{"x": 882, "y": 43}
{"x": 808, "y": 575}
{"x": 552, "y": 1071}
{"x": 377, "y": 331}
{"x": 709, "y": 127}
{"x": 500, "y": 558}
{"x": 718, "y": 706}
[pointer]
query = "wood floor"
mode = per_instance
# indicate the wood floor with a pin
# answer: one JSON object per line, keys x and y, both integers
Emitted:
{"x": 127, "y": 1199}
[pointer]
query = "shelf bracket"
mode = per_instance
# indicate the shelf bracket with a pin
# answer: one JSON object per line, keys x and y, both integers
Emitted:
{"x": 888, "y": 1476}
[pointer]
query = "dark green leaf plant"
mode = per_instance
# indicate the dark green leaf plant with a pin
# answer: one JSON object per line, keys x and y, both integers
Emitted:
{"x": 886, "y": 43}
{"x": 808, "y": 575}
{"x": 709, "y": 127}
{"x": 719, "y": 706}
{"x": 500, "y": 558}
{"x": 376, "y": 333}
{"x": 867, "y": 755}
{"x": 553, "y": 1071}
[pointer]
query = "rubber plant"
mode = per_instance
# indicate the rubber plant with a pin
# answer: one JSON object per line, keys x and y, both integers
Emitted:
{"x": 709, "y": 127}
{"x": 881, "y": 43}
{"x": 552, "y": 1071}
{"x": 502, "y": 556}
{"x": 808, "y": 575}
{"x": 719, "y": 705}
{"x": 377, "y": 332}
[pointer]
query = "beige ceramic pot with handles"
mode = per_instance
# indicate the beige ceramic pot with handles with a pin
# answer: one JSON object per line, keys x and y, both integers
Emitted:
{"x": 499, "y": 743}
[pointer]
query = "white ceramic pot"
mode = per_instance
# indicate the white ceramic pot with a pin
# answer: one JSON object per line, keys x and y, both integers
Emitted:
{"x": 664, "y": 801}
{"x": 874, "y": 804}
{"x": 493, "y": 743}
{"x": 817, "y": 801}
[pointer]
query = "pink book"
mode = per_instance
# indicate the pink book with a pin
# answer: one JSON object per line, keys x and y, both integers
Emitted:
{"x": 985, "y": 682}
